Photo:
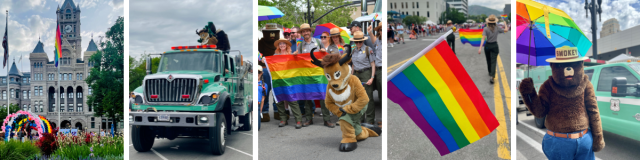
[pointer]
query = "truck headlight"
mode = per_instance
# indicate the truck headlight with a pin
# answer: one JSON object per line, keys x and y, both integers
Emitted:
{"x": 204, "y": 119}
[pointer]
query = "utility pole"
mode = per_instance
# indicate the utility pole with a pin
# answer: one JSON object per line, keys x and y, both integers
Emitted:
{"x": 596, "y": 9}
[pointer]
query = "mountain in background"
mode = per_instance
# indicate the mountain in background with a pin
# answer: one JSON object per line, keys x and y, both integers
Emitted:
{"x": 478, "y": 10}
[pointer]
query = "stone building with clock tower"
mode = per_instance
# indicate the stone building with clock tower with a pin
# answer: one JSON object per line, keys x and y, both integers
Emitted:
{"x": 38, "y": 92}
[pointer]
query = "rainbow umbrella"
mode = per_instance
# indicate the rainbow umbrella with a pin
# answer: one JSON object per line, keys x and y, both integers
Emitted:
{"x": 268, "y": 13}
{"x": 541, "y": 29}
{"x": 327, "y": 27}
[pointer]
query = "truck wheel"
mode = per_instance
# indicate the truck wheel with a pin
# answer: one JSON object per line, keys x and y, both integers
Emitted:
{"x": 246, "y": 120}
{"x": 217, "y": 135}
{"x": 142, "y": 138}
{"x": 540, "y": 122}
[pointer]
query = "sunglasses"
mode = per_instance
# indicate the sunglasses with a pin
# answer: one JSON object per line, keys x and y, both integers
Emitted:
{"x": 293, "y": 32}
{"x": 358, "y": 42}
{"x": 323, "y": 37}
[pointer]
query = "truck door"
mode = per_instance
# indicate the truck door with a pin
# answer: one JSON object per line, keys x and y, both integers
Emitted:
{"x": 617, "y": 113}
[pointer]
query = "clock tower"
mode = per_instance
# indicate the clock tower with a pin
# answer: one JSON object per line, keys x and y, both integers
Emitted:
{"x": 69, "y": 18}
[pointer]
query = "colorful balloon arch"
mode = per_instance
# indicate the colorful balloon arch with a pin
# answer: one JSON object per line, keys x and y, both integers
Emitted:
{"x": 23, "y": 119}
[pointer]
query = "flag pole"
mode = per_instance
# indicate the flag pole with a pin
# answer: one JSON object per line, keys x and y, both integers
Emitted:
{"x": 58, "y": 68}
{"x": 420, "y": 54}
{"x": 6, "y": 59}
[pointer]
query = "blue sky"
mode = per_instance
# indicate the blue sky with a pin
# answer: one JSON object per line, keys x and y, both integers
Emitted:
{"x": 626, "y": 11}
{"x": 29, "y": 19}
{"x": 155, "y": 26}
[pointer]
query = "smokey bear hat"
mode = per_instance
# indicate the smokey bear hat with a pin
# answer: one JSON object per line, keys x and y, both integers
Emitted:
{"x": 566, "y": 54}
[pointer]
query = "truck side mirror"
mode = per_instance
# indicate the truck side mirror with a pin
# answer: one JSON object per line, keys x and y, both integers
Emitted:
{"x": 216, "y": 79}
{"x": 619, "y": 87}
{"x": 149, "y": 65}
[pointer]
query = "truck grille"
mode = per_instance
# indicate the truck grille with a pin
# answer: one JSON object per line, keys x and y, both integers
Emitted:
{"x": 170, "y": 91}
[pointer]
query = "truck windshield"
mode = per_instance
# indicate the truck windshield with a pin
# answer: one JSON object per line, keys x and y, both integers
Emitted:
{"x": 190, "y": 61}
{"x": 635, "y": 67}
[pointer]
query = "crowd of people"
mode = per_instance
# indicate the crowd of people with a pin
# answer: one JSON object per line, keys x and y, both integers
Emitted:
{"x": 396, "y": 31}
{"x": 366, "y": 64}
{"x": 33, "y": 135}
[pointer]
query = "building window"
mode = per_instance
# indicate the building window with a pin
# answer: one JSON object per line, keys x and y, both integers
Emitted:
{"x": 41, "y": 91}
{"x": 12, "y": 93}
{"x": 70, "y": 95}
{"x": 29, "y": 94}
{"x": 29, "y": 79}
{"x": 68, "y": 16}
{"x": 24, "y": 94}
{"x": 70, "y": 107}
{"x": 413, "y": 4}
{"x": 79, "y": 94}
{"x": 24, "y": 107}
{"x": 428, "y": 4}
{"x": 79, "y": 107}
{"x": 59, "y": 76}
{"x": 61, "y": 95}
{"x": 61, "y": 107}
{"x": 417, "y": 5}
{"x": 41, "y": 106}
{"x": 52, "y": 108}
{"x": 4, "y": 94}
{"x": 93, "y": 124}
{"x": 4, "y": 80}
{"x": 90, "y": 91}
{"x": 427, "y": 13}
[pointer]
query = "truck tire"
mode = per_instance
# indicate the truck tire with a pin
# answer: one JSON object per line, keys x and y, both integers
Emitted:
{"x": 217, "y": 135}
{"x": 246, "y": 120}
{"x": 540, "y": 122}
{"x": 142, "y": 138}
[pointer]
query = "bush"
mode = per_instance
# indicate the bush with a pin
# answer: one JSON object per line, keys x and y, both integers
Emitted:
{"x": 15, "y": 149}
{"x": 47, "y": 144}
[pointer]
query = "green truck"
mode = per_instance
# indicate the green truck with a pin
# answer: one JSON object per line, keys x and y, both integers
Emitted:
{"x": 197, "y": 92}
{"x": 617, "y": 91}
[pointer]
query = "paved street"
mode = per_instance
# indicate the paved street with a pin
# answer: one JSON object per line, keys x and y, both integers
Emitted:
{"x": 239, "y": 147}
{"x": 406, "y": 140}
{"x": 529, "y": 145}
{"x": 313, "y": 142}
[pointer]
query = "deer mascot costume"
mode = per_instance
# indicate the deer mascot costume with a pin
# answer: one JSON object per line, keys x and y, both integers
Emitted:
{"x": 347, "y": 99}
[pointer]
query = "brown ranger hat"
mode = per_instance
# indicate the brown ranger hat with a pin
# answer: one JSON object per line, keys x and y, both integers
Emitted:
{"x": 282, "y": 40}
{"x": 566, "y": 54}
{"x": 358, "y": 36}
{"x": 305, "y": 26}
{"x": 449, "y": 22}
{"x": 379, "y": 27}
{"x": 271, "y": 27}
{"x": 491, "y": 19}
{"x": 334, "y": 32}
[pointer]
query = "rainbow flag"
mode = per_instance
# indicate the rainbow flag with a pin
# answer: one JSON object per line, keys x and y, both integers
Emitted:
{"x": 298, "y": 41}
{"x": 58, "y": 44}
{"x": 504, "y": 16}
{"x": 259, "y": 56}
{"x": 294, "y": 77}
{"x": 340, "y": 49}
{"x": 437, "y": 93}
{"x": 374, "y": 18}
{"x": 471, "y": 36}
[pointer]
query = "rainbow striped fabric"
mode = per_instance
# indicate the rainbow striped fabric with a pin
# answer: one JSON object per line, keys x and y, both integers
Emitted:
{"x": 340, "y": 49}
{"x": 504, "y": 16}
{"x": 439, "y": 96}
{"x": 58, "y": 46}
{"x": 471, "y": 36}
{"x": 374, "y": 18}
{"x": 294, "y": 77}
{"x": 298, "y": 41}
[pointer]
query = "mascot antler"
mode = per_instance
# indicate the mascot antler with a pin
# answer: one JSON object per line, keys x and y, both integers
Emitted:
{"x": 315, "y": 60}
{"x": 345, "y": 59}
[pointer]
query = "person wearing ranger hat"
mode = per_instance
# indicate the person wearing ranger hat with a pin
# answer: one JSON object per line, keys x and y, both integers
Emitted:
{"x": 451, "y": 38}
{"x": 377, "y": 40}
{"x": 491, "y": 49}
{"x": 567, "y": 100}
{"x": 364, "y": 67}
{"x": 336, "y": 42}
{"x": 308, "y": 43}
{"x": 356, "y": 26}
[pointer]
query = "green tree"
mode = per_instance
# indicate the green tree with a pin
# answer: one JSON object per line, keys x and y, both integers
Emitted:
{"x": 106, "y": 78}
{"x": 408, "y": 20}
{"x": 138, "y": 69}
{"x": 294, "y": 15}
{"x": 3, "y": 111}
{"x": 455, "y": 16}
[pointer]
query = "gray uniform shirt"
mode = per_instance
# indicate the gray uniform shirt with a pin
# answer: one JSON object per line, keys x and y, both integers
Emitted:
{"x": 305, "y": 47}
{"x": 359, "y": 58}
{"x": 492, "y": 36}
{"x": 366, "y": 42}
{"x": 378, "y": 53}
{"x": 333, "y": 48}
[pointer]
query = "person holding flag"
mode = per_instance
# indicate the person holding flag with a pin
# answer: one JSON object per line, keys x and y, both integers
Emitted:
{"x": 491, "y": 49}
{"x": 336, "y": 45}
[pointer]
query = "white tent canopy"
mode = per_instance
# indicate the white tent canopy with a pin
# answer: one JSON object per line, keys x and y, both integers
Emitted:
{"x": 429, "y": 22}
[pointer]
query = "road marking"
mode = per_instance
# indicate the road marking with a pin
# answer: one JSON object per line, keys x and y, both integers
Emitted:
{"x": 505, "y": 86}
{"x": 429, "y": 39}
{"x": 502, "y": 135}
{"x": 246, "y": 133}
{"x": 391, "y": 68}
{"x": 533, "y": 143}
{"x": 159, "y": 155}
{"x": 523, "y": 136}
{"x": 240, "y": 151}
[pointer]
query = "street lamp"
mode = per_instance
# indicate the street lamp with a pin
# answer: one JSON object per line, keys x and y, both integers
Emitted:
{"x": 596, "y": 9}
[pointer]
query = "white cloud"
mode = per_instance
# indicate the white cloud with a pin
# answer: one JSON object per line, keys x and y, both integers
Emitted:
{"x": 116, "y": 4}
{"x": 622, "y": 10}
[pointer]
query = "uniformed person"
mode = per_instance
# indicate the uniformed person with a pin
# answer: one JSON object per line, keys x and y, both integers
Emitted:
{"x": 356, "y": 26}
{"x": 377, "y": 40}
{"x": 308, "y": 43}
{"x": 364, "y": 68}
{"x": 491, "y": 47}
{"x": 336, "y": 42}
{"x": 284, "y": 48}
